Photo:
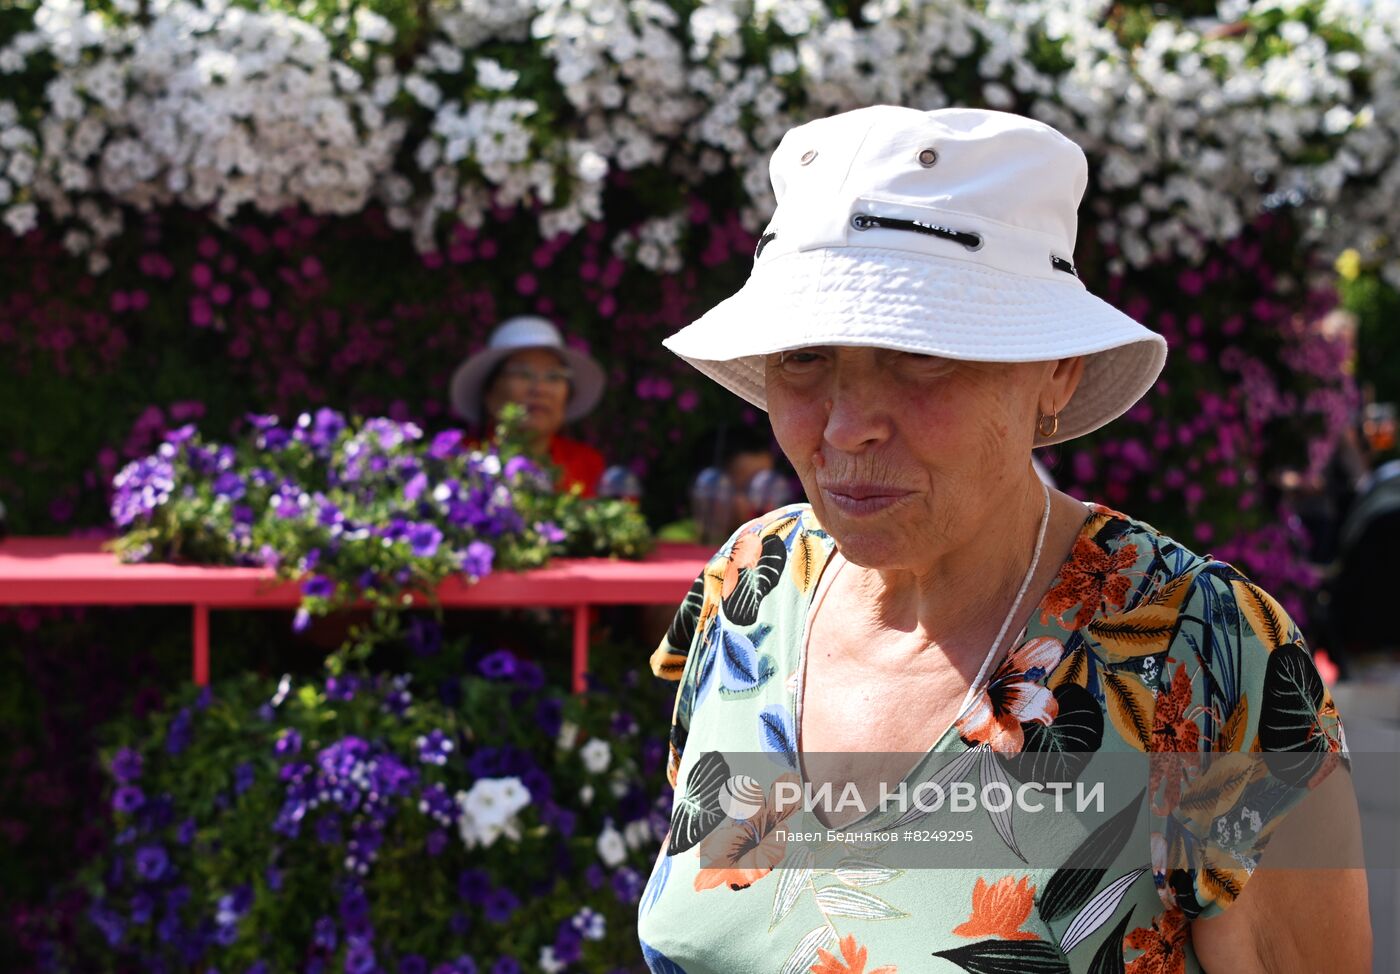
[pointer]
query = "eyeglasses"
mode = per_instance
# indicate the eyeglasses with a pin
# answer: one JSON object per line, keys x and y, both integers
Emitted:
{"x": 554, "y": 377}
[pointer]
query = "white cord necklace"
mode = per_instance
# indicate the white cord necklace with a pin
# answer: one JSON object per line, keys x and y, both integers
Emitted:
{"x": 1025, "y": 584}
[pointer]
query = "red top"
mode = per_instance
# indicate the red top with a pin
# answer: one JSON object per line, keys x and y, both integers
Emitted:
{"x": 578, "y": 463}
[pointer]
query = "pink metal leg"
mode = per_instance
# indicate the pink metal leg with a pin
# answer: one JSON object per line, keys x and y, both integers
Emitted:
{"x": 201, "y": 645}
{"x": 580, "y": 647}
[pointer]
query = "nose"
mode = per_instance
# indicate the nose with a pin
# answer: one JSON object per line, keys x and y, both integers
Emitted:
{"x": 857, "y": 414}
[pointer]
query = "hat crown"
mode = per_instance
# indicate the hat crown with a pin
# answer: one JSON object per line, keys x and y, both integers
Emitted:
{"x": 1013, "y": 180}
{"x": 525, "y": 331}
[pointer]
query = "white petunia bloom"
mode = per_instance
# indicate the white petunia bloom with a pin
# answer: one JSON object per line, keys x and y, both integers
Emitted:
{"x": 611, "y": 847}
{"x": 595, "y": 755}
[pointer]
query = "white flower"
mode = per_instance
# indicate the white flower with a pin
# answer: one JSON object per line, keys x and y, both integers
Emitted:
{"x": 489, "y": 808}
{"x": 637, "y": 833}
{"x": 491, "y": 76}
{"x": 568, "y": 735}
{"x": 611, "y": 847}
{"x": 596, "y": 754}
{"x": 549, "y": 963}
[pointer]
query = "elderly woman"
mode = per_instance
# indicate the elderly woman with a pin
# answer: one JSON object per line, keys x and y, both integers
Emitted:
{"x": 526, "y": 362}
{"x": 914, "y": 326}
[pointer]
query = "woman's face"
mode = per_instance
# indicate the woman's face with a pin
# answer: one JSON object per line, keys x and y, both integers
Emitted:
{"x": 904, "y": 456}
{"x": 537, "y": 379}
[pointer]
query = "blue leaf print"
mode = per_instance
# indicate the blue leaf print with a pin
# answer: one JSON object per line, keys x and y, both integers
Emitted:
{"x": 776, "y": 736}
{"x": 658, "y": 962}
{"x": 740, "y": 661}
{"x": 656, "y": 882}
{"x": 760, "y": 633}
{"x": 707, "y": 663}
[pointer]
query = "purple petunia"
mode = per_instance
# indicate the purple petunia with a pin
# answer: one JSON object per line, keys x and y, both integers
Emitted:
{"x": 424, "y": 540}
{"x": 126, "y": 765}
{"x": 108, "y": 922}
{"x": 128, "y": 799}
{"x": 445, "y": 444}
{"x": 142, "y": 908}
{"x": 415, "y": 488}
{"x": 301, "y": 621}
{"x": 476, "y": 560}
{"x": 568, "y": 943}
{"x": 151, "y": 862}
{"x": 288, "y": 743}
{"x": 141, "y": 487}
{"x": 229, "y": 486}
{"x": 506, "y": 965}
{"x": 627, "y": 885}
{"x": 500, "y": 665}
{"x": 243, "y": 777}
{"x": 500, "y": 905}
{"x": 434, "y": 748}
{"x": 413, "y": 964}
{"x": 550, "y": 531}
{"x": 318, "y": 587}
{"x": 359, "y": 958}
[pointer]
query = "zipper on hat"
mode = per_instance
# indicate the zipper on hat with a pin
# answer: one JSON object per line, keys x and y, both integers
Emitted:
{"x": 864, "y": 221}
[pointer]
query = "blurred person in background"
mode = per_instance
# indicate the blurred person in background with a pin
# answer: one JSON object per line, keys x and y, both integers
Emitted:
{"x": 742, "y": 480}
{"x": 527, "y": 362}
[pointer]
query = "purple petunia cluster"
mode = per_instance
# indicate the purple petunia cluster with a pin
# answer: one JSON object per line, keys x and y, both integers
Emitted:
{"x": 356, "y": 509}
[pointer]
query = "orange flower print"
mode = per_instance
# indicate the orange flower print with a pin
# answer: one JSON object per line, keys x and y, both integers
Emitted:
{"x": 1163, "y": 945}
{"x": 740, "y": 853}
{"x": 1094, "y": 578}
{"x": 1177, "y": 738}
{"x": 1013, "y": 697}
{"x": 1000, "y": 909}
{"x": 852, "y": 960}
{"x": 744, "y": 554}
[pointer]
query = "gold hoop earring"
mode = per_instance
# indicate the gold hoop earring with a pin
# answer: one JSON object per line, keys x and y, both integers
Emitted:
{"x": 1054, "y": 425}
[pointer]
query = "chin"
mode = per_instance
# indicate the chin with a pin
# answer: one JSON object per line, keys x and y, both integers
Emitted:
{"x": 870, "y": 547}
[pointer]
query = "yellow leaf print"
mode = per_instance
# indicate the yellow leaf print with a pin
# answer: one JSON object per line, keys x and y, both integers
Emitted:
{"x": 1147, "y": 628}
{"x": 1216, "y": 792}
{"x": 1074, "y": 668}
{"x": 1232, "y": 731}
{"x": 1220, "y": 878}
{"x": 1266, "y": 617}
{"x": 1129, "y": 707}
{"x": 808, "y": 558}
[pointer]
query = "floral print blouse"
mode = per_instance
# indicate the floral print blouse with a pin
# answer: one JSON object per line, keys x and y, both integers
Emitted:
{"x": 1140, "y": 650}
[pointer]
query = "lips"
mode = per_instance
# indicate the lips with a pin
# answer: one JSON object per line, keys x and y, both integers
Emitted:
{"x": 861, "y": 492}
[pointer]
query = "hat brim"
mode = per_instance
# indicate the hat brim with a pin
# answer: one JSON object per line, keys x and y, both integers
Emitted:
{"x": 933, "y": 306}
{"x": 466, "y": 390}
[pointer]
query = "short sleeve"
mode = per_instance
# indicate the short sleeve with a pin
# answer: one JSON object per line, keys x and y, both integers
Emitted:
{"x": 673, "y": 657}
{"x": 1243, "y": 728}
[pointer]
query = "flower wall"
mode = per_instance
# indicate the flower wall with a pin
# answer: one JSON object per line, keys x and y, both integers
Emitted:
{"x": 215, "y": 209}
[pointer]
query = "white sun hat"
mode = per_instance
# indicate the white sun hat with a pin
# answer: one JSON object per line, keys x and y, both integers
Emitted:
{"x": 513, "y": 335}
{"x": 948, "y": 233}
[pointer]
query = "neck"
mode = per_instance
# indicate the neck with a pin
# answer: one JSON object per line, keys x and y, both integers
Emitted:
{"x": 960, "y": 600}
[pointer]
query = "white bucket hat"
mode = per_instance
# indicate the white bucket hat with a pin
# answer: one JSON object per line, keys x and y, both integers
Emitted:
{"x": 947, "y": 232}
{"x": 513, "y": 335}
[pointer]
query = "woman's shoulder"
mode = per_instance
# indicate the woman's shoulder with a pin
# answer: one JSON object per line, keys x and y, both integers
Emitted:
{"x": 780, "y": 551}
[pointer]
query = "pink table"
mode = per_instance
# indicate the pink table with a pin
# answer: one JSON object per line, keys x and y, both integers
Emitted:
{"x": 76, "y": 571}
